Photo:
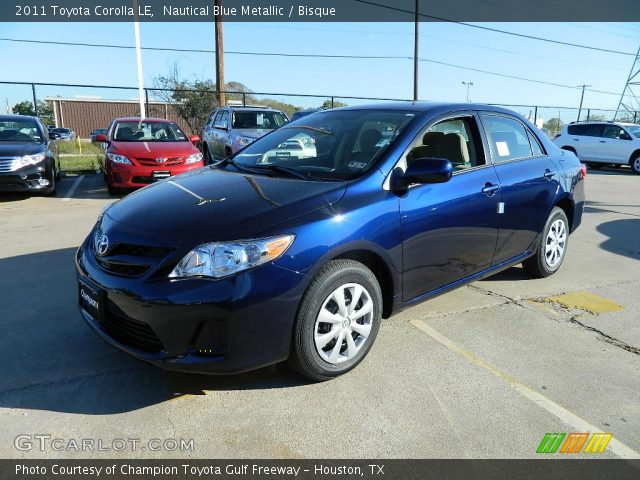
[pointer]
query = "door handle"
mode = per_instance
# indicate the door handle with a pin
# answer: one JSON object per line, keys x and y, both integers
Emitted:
{"x": 490, "y": 188}
{"x": 576, "y": 139}
{"x": 549, "y": 174}
{"x": 602, "y": 141}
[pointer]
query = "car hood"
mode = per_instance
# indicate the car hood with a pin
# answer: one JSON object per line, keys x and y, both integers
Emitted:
{"x": 208, "y": 205}
{"x": 153, "y": 149}
{"x": 18, "y": 149}
{"x": 252, "y": 132}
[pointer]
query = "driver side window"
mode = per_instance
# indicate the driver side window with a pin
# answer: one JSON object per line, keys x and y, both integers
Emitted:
{"x": 455, "y": 139}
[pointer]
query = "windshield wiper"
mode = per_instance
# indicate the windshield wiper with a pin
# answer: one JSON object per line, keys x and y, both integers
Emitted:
{"x": 239, "y": 166}
{"x": 326, "y": 132}
{"x": 292, "y": 172}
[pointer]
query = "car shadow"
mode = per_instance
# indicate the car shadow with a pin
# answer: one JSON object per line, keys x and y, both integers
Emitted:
{"x": 54, "y": 362}
{"x": 610, "y": 170}
{"x": 91, "y": 187}
{"x": 622, "y": 237}
{"x": 512, "y": 274}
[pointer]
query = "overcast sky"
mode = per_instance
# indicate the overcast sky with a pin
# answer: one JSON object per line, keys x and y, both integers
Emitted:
{"x": 444, "y": 42}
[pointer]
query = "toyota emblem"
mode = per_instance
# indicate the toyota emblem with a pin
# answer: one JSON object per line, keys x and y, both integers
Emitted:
{"x": 161, "y": 159}
{"x": 102, "y": 245}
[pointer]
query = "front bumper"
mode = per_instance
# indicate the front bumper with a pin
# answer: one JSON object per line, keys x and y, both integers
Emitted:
{"x": 36, "y": 178}
{"x": 221, "y": 326}
{"x": 134, "y": 176}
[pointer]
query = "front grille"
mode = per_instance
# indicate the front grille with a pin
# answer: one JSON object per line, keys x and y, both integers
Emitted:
{"x": 131, "y": 332}
{"x": 8, "y": 164}
{"x": 152, "y": 162}
{"x": 129, "y": 260}
{"x": 143, "y": 180}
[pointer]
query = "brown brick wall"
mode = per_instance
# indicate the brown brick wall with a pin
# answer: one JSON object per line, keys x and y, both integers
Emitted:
{"x": 83, "y": 116}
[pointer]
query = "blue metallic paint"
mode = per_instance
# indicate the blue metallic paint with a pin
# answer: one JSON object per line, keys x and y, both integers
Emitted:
{"x": 429, "y": 239}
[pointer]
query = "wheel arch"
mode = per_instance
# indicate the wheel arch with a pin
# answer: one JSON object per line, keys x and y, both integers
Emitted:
{"x": 635, "y": 153}
{"x": 376, "y": 259}
{"x": 567, "y": 205}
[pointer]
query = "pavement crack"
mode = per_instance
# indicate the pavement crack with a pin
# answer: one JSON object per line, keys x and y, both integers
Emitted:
{"x": 604, "y": 337}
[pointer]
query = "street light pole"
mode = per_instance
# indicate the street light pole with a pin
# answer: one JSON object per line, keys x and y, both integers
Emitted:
{"x": 468, "y": 85}
{"x": 581, "y": 99}
{"x": 416, "y": 43}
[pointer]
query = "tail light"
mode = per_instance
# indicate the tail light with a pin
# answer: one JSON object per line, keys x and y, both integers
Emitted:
{"x": 583, "y": 171}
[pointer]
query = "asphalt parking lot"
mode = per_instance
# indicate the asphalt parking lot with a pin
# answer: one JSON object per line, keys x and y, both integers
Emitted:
{"x": 484, "y": 371}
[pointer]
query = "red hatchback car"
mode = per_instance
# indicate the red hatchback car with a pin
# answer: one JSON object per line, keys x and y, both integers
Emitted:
{"x": 142, "y": 151}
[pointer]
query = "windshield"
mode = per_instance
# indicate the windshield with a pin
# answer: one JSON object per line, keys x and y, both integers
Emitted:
{"x": 26, "y": 130}
{"x": 148, "y": 132}
{"x": 336, "y": 144}
{"x": 258, "y": 119}
{"x": 635, "y": 130}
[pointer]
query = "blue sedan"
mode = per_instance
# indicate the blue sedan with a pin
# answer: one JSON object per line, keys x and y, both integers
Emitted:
{"x": 273, "y": 255}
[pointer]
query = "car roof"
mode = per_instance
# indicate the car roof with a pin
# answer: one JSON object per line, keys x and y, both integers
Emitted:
{"x": 140, "y": 119}
{"x": 8, "y": 118}
{"x": 249, "y": 108}
{"x": 427, "y": 106}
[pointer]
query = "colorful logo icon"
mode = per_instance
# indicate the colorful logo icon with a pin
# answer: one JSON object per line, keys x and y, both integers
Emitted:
{"x": 573, "y": 442}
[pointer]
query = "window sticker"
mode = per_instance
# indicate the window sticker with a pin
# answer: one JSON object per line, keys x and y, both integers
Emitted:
{"x": 503, "y": 149}
{"x": 355, "y": 164}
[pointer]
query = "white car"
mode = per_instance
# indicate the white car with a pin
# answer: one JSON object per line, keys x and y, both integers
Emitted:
{"x": 602, "y": 143}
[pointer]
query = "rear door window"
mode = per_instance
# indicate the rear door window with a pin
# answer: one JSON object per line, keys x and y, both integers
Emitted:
{"x": 508, "y": 138}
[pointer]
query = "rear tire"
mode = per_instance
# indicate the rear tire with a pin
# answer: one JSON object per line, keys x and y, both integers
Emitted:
{"x": 331, "y": 334}
{"x": 552, "y": 247}
{"x": 208, "y": 159}
{"x": 594, "y": 166}
{"x": 634, "y": 163}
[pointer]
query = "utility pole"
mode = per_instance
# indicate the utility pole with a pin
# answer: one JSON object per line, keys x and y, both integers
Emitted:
{"x": 468, "y": 85}
{"x": 581, "y": 99}
{"x": 219, "y": 55}
{"x": 136, "y": 32}
{"x": 415, "y": 51}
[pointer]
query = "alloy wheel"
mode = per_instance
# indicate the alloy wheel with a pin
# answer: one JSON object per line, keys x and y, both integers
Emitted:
{"x": 344, "y": 323}
{"x": 555, "y": 243}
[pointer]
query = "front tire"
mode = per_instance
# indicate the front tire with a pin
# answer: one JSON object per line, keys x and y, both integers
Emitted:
{"x": 552, "y": 247}
{"x": 337, "y": 321}
{"x": 634, "y": 163}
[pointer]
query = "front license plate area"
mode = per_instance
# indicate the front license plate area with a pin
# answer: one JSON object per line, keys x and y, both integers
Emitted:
{"x": 160, "y": 175}
{"x": 91, "y": 299}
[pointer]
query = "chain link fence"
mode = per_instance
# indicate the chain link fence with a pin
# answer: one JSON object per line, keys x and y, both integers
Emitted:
{"x": 84, "y": 108}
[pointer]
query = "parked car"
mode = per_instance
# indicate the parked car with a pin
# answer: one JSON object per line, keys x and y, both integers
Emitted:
{"x": 243, "y": 265}
{"x": 143, "y": 151}
{"x": 63, "y": 133}
{"x": 232, "y": 128}
{"x": 303, "y": 113}
{"x": 98, "y": 131}
{"x": 603, "y": 143}
{"x": 29, "y": 160}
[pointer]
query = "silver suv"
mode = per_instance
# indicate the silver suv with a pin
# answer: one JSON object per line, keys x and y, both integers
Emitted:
{"x": 602, "y": 143}
{"x": 232, "y": 128}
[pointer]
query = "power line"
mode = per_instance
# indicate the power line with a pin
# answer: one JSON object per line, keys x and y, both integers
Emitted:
{"x": 306, "y": 55}
{"x": 497, "y": 30}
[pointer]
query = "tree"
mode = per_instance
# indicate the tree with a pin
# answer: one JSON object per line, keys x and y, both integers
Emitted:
{"x": 553, "y": 125}
{"x": 597, "y": 118}
{"x": 45, "y": 111}
{"x": 327, "y": 104}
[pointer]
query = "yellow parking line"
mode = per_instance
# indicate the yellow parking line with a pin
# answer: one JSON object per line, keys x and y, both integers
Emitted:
{"x": 564, "y": 415}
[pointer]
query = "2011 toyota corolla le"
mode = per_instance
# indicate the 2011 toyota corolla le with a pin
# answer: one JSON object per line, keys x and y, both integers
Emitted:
{"x": 269, "y": 256}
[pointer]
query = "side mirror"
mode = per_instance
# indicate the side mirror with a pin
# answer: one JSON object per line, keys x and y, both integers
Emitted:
{"x": 428, "y": 170}
{"x": 101, "y": 137}
{"x": 194, "y": 138}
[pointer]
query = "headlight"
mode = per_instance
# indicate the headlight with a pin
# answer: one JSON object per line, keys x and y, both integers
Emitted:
{"x": 119, "y": 159}
{"x": 32, "y": 159}
{"x": 195, "y": 158}
{"x": 244, "y": 141}
{"x": 222, "y": 259}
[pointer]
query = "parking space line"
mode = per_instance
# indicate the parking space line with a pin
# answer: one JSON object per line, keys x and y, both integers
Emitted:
{"x": 564, "y": 415}
{"x": 73, "y": 188}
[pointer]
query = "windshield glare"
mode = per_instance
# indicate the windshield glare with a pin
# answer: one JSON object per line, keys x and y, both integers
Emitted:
{"x": 24, "y": 131}
{"x": 258, "y": 120}
{"x": 335, "y": 144}
{"x": 148, "y": 132}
